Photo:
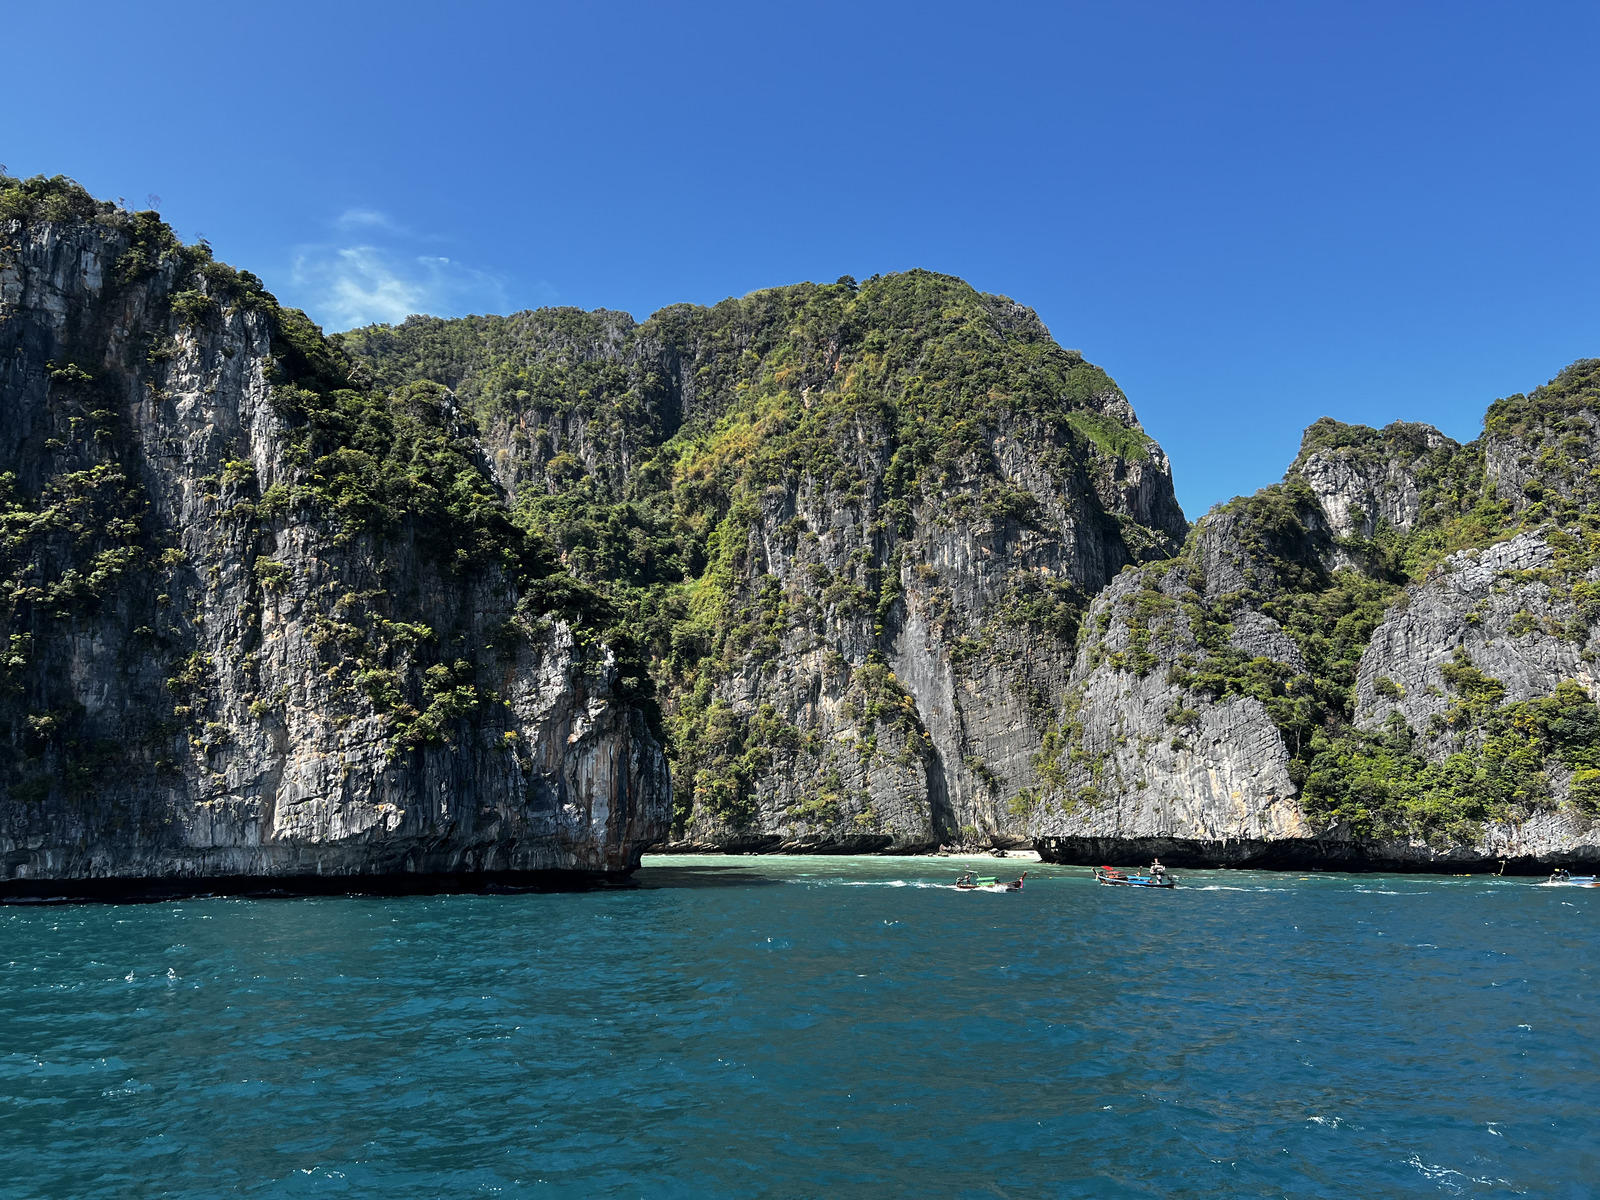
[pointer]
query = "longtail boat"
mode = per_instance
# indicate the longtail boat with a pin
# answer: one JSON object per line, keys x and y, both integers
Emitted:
{"x": 1116, "y": 878}
{"x": 971, "y": 881}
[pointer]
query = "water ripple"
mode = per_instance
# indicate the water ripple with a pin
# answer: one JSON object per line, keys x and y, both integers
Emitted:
{"x": 708, "y": 1035}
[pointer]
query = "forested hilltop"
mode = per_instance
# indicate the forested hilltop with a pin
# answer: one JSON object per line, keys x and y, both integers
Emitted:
{"x": 852, "y": 526}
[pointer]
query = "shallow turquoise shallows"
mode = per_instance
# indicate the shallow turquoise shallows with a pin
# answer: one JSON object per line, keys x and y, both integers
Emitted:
{"x": 846, "y": 1027}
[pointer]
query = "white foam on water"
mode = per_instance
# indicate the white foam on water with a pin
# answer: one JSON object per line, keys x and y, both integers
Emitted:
{"x": 895, "y": 883}
{"x": 1441, "y": 1175}
{"x": 131, "y": 1088}
{"x": 1223, "y": 887}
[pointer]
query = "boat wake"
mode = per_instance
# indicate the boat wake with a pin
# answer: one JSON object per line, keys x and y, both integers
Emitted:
{"x": 1223, "y": 887}
{"x": 895, "y": 883}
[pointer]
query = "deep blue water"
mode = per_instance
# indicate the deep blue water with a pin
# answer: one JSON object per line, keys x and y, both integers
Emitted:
{"x": 812, "y": 1027}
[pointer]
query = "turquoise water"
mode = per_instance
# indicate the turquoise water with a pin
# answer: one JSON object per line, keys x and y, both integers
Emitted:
{"x": 812, "y": 1027}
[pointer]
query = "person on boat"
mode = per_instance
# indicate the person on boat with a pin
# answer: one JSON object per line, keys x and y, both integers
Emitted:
{"x": 1560, "y": 875}
{"x": 1157, "y": 871}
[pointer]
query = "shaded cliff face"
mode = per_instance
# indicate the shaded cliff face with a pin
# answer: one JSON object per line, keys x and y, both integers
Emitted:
{"x": 1385, "y": 660}
{"x": 265, "y": 620}
{"x": 855, "y": 525}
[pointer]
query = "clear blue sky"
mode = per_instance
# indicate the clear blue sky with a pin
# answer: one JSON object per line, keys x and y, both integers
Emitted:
{"x": 1252, "y": 215}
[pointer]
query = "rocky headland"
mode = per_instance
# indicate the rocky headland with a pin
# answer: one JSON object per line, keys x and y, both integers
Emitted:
{"x": 850, "y": 567}
{"x": 265, "y": 622}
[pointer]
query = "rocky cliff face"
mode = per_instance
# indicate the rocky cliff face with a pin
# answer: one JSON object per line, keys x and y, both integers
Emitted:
{"x": 1321, "y": 676}
{"x": 872, "y": 566}
{"x": 862, "y": 526}
{"x": 262, "y": 620}
{"x": 1367, "y": 479}
{"x": 856, "y": 525}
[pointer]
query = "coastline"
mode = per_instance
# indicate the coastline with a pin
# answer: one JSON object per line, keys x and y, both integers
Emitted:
{"x": 160, "y": 889}
{"x": 1289, "y": 855}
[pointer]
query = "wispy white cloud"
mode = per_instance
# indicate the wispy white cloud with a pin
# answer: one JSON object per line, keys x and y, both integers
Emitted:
{"x": 345, "y": 286}
{"x": 370, "y": 218}
{"x": 371, "y": 270}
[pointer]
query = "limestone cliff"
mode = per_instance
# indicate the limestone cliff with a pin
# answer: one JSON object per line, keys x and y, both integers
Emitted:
{"x": 858, "y": 528}
{"x": 265, "y": 621}
{"x": 862, "y": 566}
{"x": 1323, "y": 676}
{"x": 855, "y": 525}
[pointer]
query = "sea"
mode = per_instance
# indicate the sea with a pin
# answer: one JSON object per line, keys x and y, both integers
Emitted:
{"x": 812, "y": 1027}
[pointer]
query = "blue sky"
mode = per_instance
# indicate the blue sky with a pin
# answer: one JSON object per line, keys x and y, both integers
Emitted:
{"x": 1252, "y": 215}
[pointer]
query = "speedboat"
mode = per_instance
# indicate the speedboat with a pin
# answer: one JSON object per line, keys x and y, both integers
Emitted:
{"x": 971, "y": 881}
{"x": 1116, "y": 878}
{"x": 1561, "y": 877}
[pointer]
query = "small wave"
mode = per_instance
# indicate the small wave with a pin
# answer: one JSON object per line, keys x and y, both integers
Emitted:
{"x": 1445, "y": 1177}
{"x": 1435, "y": 1172}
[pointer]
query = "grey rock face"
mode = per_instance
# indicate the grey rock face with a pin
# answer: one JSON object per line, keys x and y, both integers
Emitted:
{"x": 1144, "y": 763}
{"x": 1470, "y": 605}
{"x": 1358, "y": 487}
{"x": 1147, "y": 766}
{"x": 1258, "y": 636}
{"x": 929, "y": 745}
{"x": 901, "y": 651}
{"x": 215, "y": 726}
{"x": 1522, "y": 474}
{"x": 1479, "y": 608}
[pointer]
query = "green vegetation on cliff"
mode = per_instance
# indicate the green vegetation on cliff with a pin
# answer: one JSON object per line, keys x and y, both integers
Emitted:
{"x": 364, "y": 467}
{"x": 1384, "y": 784}
{"x": 741, "y": 507}
{"x": 1380, "y": 784}
{"x": 667, "y": 461}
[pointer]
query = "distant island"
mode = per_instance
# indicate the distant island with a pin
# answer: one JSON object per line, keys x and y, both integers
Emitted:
{"x": 865, "y": 566}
